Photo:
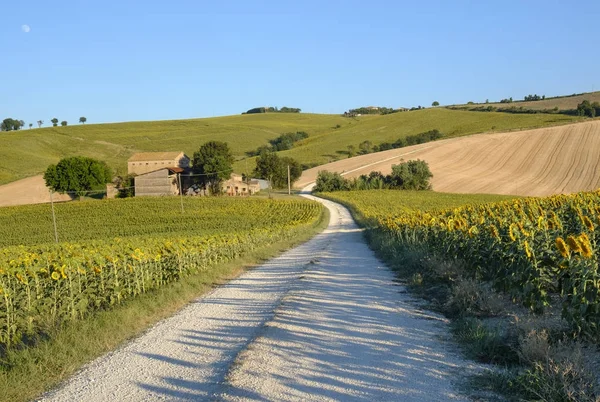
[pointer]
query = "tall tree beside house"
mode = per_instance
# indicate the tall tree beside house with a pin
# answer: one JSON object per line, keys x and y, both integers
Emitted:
{"x": 82, "y": 120}
{"x": 271, "y": 167}
{"x": 54, "y": 122}
{"x": 77, "y": 174}
{"x": 213, "y": 161}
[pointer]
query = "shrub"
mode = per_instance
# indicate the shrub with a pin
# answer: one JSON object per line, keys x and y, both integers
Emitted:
{"x": 329, "y": 181}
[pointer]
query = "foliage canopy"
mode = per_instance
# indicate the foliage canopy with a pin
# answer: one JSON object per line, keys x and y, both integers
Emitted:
{"x": 77, "y": 174}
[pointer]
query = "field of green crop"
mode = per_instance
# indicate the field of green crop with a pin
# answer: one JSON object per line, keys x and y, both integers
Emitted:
{"x": 137, "y": 217}
{"x": 29, "y": 152}
{"x": 120, "y": 249}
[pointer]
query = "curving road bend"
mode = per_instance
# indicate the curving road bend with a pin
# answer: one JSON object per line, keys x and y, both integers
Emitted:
{"x": 324, "y": 321}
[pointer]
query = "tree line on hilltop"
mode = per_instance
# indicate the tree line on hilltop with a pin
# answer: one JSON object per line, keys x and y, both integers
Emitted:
{"x": 271, "y": 109}
{"x": 282, "y": 143}
{"x": 10, "y": 124}
{"x": 367, "y": 147}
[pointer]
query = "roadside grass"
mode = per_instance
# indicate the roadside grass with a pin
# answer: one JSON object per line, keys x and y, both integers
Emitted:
{"x": 116, "y": 142}
{"x": 531, "y": 356}
{"x": 27, "y": 373}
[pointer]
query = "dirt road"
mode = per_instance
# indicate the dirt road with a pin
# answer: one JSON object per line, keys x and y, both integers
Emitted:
{"x": 324, "y": 321}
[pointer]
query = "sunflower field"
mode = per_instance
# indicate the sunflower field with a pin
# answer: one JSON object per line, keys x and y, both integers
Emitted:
{"x": 42, "y": 285}
{"x": 538, "y": 250}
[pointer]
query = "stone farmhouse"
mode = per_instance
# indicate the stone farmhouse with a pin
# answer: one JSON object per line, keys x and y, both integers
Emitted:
{"x": 237, "y": 186}
{"x": 146, "y": 162}
{"x": 159, "y": 173}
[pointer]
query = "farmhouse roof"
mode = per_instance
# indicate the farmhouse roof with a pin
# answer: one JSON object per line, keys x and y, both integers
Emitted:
{"x": 154, "y": 156}
{"x": 171, "y": 169}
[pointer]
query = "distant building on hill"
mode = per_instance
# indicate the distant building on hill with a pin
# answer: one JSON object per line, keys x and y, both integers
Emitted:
{"x": 146, "y": 162}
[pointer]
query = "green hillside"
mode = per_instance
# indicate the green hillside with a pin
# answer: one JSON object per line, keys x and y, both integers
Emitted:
{"x": 568, "y": 102}
{"x": 28, "y": 152}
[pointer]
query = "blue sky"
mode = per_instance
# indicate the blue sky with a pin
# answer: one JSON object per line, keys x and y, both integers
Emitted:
{"x": 148, "y": 60}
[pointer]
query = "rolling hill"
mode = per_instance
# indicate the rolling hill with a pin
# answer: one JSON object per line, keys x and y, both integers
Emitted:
{"x": 537, "y": 162}
{"x": 27, "y": 153}
{"x": 568, "y": 102}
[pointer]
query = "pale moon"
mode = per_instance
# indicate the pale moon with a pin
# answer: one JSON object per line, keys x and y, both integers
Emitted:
{"x": 25, "y": 28}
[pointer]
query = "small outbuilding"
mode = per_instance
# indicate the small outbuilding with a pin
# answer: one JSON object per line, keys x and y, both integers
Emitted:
{"x": 159, "y": 182}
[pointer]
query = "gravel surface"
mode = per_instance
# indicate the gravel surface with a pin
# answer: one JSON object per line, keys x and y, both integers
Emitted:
{"x": 324, "y": 321}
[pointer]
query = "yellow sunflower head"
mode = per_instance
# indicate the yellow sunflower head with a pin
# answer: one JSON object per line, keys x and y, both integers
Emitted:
{"x": 513, "y": 230}
{"x": 586, "y": 246}
{"x": 55, "y": 275}
{"x": 588, "y": 223}
{"x": 541, "y": 223}
{"x": 473, "y": 231}
{"x": 562, "y": 247}
{"x": 494, "y": 232}
{"x": 527, "y": 249}
{"x": 573, "y": 244}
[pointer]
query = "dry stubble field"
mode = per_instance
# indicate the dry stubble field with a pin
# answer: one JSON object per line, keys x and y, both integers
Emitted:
{"x": 538, "y": 162}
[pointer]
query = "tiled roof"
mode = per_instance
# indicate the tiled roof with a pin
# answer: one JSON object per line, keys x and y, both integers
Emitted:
{"x": 154, "y": 156}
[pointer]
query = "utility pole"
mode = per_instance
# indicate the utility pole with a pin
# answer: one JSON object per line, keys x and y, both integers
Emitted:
{"x": 289, "y": 182}
{"x": 53, "y": 218}
{"x": 180, "y": 192}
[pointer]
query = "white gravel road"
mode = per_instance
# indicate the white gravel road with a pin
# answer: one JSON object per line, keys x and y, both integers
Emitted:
{"x": 324, "y": 321}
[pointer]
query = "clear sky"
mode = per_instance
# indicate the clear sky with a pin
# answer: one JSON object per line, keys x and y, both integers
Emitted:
{"x": 155, "y": 59}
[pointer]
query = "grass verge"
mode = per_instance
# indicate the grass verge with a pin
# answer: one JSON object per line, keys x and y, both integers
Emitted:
{"x": 27, "y": 373}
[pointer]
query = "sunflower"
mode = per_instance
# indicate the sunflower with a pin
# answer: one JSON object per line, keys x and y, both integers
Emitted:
{"x": 527, "y": 249}
{"x": 586, "y": 247}
{"x": 562, "y": 247}
{"x": 473, "y": 231}
{"x": 574, "y": 244}
{"x": 540, "y": 222}
{"x": 494, "y": 231}
{"x": 588, "y": 223}
{"x": 20, "y": 278}
{"x": 55, "y": 275}
{"x": 512, "y": 230}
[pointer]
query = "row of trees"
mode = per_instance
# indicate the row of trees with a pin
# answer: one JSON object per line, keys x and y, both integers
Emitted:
{"x": 282, "y": 143}
{"x": 271, "y": 109}
{"x": 536, "y": 97}
{"x": 411, "y": 175}
{"x": 367, "y": 146}
{"x": 10, "y": 124}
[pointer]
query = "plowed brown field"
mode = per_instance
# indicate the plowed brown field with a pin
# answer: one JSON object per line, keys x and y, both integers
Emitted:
{"x": 538, "y": 162}
{"x": 31, "y": 190}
